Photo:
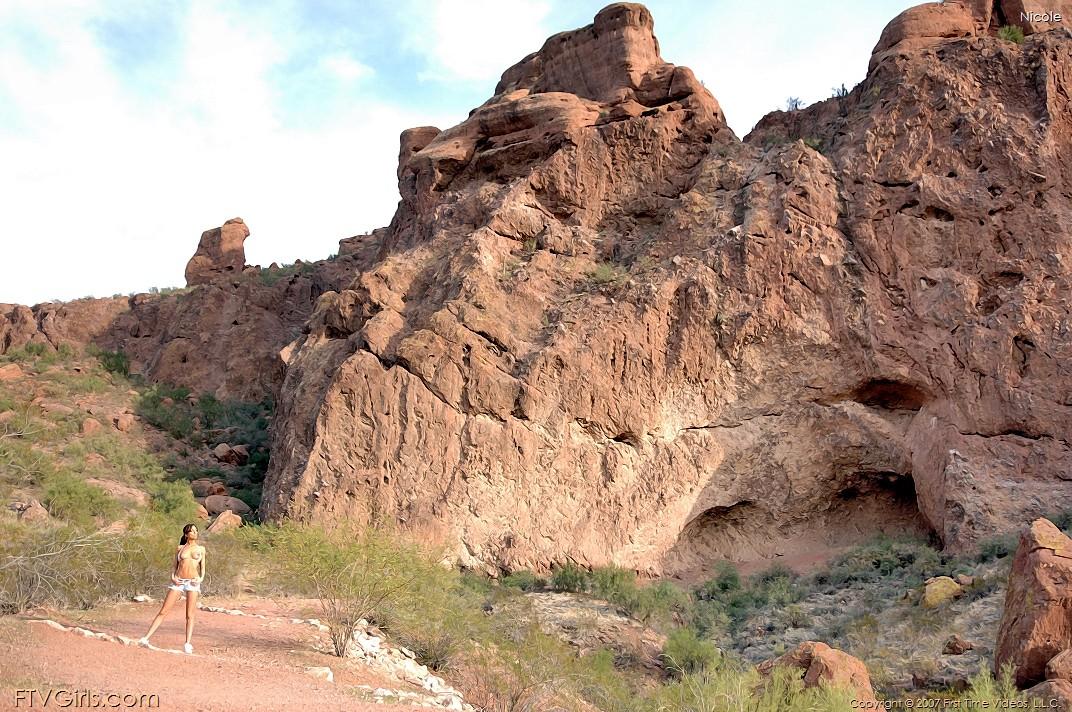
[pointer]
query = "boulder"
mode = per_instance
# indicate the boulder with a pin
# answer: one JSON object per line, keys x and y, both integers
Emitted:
{"x": 11, "y": 371}
{"x": 52, "y": 408}
{"x": 1035, "y": 625}
{"x": 215, "y": 504}
{"x": 220, "y": 253}
{"x": 120, "y": 491}
{"x": 939, "y": 590}
{"x": 202, "y": 513}
{"x": 1052, "y": 695}
{"x": 124, "y": 422}
{"x": 225, "y": 521}
{"x": 206, "y": 488}
{"x": 820, "y": 664}
{"x": 91, "y": 426}
{"x": 956, "y": 645}
{"x": 231, "y": 455}
{"x": 34, "y": 512}
{"x": 1060, "y": 666}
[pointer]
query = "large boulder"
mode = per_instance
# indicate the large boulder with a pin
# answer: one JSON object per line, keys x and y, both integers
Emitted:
{"x": 1036, "y": 625}
{"x": 819, "y": 664}
{"x": 220, "y": 253}
{"x": 225, "y": 521}
{"x": 1052, "y": 695}
{"x": 217, "y": 503}
{"x": 1060, "y": 666}
{"x": 939, "y": 590}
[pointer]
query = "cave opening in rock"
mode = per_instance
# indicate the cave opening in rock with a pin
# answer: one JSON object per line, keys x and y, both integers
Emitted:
{"x": 891, "y": 395}
{"x": 858, "y": 508}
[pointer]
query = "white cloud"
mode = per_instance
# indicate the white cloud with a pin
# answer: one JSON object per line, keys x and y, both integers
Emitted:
{"x": 105, "y": 192}
{"x": 475, "y": 40}
{"x": 345, "y": 67}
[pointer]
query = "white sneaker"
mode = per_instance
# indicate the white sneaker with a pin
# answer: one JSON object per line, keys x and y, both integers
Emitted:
{"x": 188, "y": 649}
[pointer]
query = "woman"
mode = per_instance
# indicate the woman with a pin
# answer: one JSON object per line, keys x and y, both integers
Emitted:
{"x": 187, "y": 576}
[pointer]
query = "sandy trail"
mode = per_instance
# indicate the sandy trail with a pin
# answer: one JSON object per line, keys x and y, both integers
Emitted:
{"x": 239, "y": 662}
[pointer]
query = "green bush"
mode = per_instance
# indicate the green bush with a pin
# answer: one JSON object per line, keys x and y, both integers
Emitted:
{"x": 524, "y": 581}
{"x": 995, "y": 548}
{"x": 359, "y": 574}
{"x": 606, "y": 273}
{"x": 569, "y": 577}
{"x": 71, "y": 499}
{"x": 685, "y": 653}
{"x": 612, "y": 583}
{"x": 166, "y": 408}
{"x": 115, "y": 362}
{"x": 1011, "y": 33}
{"x": 175, "y": 501}
{"x": 725, "y": 579}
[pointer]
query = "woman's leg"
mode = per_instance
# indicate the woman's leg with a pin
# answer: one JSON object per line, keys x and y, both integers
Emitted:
{"x": 191, "y": 606}
{"x": 169, "y": 600}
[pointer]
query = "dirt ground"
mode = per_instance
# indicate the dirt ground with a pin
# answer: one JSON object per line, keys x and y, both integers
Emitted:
{"x": 239, "y": 662}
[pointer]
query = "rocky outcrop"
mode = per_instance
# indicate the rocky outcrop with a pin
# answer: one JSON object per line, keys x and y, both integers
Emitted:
{"x": 220, "y": 253}
{"x": 930, "y": 25}
{"x": 1035, "y": 626}
{"x": 819, "y": 664}
{"x": 602, "y": 329}
{"x": 54, "y": 324}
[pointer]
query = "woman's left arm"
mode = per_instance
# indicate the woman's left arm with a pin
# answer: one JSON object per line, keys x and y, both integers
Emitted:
{"x": 201, "y": 564}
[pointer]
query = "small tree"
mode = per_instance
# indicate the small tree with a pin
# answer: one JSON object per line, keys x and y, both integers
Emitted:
{"x": 353, "y": 574}
{"x": 793, "y": 103}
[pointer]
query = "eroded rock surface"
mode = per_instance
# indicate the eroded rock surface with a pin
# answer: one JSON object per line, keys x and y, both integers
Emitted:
{"x": 221, "y": 252}
{"x": 1035, "y": 626}
{"x": 602, "y": 329}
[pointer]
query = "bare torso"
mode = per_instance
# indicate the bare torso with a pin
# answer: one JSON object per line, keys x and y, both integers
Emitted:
{"x": 188, "y": 561}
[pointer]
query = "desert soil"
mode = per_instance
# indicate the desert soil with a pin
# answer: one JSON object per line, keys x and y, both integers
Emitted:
{"x": 239, "y": 662}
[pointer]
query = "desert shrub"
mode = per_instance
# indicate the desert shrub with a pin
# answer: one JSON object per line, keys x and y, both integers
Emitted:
{"x": 67, "y": 567}
{"x": 125, "y": 460}
{"x": 354, "y": 575}
{"x": 909, "y": 561}
{"x": 605, "y": 273}
{"x": 569, "y": 577}
{"x": 1011, "y": 33}
{"x": 29, "y": 353}
{"x": 815, "y": 144}
{"x": 995, "y": 548}
{"x": 165, "y": 407}
{"x": 613, "y": 584}
{"x": 71, "y": 499}
{"x": 660, "y": 602}
{"x": 115, "y": 362}
{"x": 726, "y": 688}
{"x": 174, "y": 500}
{"x": 686, "y": 653}
{"x": 725, "y": 579}
{"x": 523, "y": 670}
{"x": 524, "y": 581}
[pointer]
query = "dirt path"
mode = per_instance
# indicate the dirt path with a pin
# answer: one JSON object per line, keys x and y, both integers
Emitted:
{"x": 239, "y": 662}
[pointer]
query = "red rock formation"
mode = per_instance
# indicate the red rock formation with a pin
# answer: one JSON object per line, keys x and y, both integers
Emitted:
{"x": 819, "y": 664}
{"x": 601, "y": 328}
{"x": 55, "y": 324}
{"x": 1036, "y": 626}
{"x": 220, "y": 253}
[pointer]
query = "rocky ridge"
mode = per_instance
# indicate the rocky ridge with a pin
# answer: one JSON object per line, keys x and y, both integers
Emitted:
{"x": 601, "y": 328}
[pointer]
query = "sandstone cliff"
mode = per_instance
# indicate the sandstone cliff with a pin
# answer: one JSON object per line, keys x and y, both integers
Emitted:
{"x": 602, "y": 328}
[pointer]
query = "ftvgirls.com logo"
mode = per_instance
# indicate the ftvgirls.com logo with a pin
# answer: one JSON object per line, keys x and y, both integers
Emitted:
{"x": 84, "y": 699}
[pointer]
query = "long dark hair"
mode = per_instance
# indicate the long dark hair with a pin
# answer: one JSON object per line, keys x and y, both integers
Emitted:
{"x": 185, "y": 530}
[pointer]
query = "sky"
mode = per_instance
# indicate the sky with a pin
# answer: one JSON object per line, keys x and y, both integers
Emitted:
{"x": 127, "y": 128}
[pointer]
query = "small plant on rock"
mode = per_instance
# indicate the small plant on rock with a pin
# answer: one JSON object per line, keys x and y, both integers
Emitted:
{"x": 1011, "y": 33}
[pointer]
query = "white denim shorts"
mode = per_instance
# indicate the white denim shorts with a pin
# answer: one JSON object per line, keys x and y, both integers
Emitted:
{"x": 186, "y": 585}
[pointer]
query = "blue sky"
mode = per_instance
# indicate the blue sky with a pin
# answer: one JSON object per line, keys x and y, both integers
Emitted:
{"x": 127, "y": 128}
